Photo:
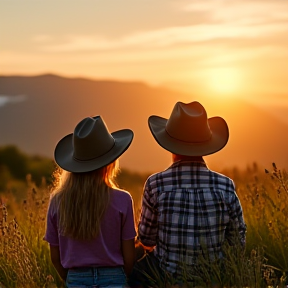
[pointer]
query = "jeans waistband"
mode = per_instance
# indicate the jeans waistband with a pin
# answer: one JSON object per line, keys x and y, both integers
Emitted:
{"x": 89, "y": 268}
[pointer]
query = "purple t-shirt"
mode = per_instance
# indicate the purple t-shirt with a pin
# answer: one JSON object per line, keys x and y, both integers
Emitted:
{"x": 105, "y": 250}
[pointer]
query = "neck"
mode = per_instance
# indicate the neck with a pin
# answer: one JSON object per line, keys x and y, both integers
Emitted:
{"x": 176, "y": 157}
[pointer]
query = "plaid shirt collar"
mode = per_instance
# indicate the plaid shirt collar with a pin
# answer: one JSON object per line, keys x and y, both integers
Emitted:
{"x": 187, "y": 162}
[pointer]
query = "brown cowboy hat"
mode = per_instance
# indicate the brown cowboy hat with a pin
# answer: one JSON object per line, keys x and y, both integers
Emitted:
{"x": 91, "y": 146}
{"x": 188, "y": 131}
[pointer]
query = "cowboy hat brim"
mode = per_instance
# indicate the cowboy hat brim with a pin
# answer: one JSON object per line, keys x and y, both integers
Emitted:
{"x": 219, "y": 137}
{"x": 63, "y": 154}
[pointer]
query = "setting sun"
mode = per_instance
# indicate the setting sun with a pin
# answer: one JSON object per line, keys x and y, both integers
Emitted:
{"x": 223, "y": 81}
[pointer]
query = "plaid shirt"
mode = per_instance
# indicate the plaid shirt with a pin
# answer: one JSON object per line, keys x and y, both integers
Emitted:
{"x": 187, "y": 207}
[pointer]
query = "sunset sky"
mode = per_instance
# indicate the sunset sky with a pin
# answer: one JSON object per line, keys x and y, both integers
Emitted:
{"x": 232, "y": 48}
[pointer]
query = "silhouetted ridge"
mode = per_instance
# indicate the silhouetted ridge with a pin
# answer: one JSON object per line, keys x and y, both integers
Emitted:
{"x": 52, "y": 105}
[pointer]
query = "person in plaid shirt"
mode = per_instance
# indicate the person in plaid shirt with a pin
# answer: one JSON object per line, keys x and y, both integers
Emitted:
{"x": 188, "y": 206}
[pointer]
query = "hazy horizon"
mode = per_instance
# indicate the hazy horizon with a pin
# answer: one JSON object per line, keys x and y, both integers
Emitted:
{"x": 276, "y": 106}
{"x": 33, "y": 119}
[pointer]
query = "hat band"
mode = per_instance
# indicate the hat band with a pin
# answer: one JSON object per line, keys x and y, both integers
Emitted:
{"x": 86, "y": 160}
{"x": 190, "y": 141}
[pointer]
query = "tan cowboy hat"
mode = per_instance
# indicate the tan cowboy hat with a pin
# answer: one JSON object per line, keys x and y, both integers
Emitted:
{"x": 188, "y": 131}
{"x": 91, "y": 146}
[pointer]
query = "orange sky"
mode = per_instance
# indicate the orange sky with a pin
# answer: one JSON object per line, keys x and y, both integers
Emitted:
{"x": 232, "y": 48}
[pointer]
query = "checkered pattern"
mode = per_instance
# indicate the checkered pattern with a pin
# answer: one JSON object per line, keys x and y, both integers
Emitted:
{"x": 188, "y": 207}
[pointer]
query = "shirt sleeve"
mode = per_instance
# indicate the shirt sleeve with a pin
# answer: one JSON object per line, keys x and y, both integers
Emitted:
{"x": 51, "y": 234}
{"x": 128, "y": 224}
{"x": 237, "y": 224}
{"x": 148, "y": 224}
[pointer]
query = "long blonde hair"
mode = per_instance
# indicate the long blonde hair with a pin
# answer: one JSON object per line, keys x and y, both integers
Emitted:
{"x": 82, "y": 199}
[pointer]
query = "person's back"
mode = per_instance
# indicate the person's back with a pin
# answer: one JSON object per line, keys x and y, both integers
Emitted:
{"x": 188, "y": 209}
{"x": 194, "y": 206}
{"x": 103, "y": 250}
{"x": 90, "y": 222}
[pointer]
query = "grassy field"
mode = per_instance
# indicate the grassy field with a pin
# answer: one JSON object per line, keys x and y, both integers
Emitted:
{"x": 24, "y": 256}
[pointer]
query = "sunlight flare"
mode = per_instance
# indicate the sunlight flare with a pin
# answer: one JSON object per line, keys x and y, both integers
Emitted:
{"x": 224, "y": 81}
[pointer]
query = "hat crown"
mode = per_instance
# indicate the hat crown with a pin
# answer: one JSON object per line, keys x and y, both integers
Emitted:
{"x": 189, "y": 123}
{"x": 91, "y": 139}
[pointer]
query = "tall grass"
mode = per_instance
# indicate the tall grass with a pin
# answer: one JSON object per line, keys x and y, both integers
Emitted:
{"x": 25, "y": 260}
{"x": 24, "y": 256}
{"x": 265, "y": 202}
{"x": 235, "y": 270}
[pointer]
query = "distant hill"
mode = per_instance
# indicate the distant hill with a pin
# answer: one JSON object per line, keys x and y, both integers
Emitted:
{"x": 47, "y": 107}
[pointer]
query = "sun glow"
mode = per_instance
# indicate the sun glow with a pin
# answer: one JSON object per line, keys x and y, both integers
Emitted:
{"x": 223, "y": 81}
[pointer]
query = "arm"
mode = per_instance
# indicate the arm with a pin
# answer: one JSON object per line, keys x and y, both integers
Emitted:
{"x": 51, "y": 236}
{"x": 128, "y": 251}
{"x": 148, "y": 224}
{"x": 55, "y": 258}
{"x": 237, "y": 226}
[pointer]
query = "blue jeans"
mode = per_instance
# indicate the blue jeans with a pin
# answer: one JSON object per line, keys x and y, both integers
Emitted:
{"x": 93, "y": 277}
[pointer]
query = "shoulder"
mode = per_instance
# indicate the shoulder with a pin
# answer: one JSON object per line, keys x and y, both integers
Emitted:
{"x": 121, "y": 194}
{"x": 121, "y": 200}
{"x": 159, "y": 176}
{"x": 220, "y": 176}
{"x": 225, "y": 186}
{"x": 155, "y": 183}
{"x": 222, "y": 181}
{"x": 53, "y": 205}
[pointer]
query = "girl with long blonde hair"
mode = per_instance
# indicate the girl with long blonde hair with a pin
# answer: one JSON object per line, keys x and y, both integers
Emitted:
{"x": 90, "y": 222}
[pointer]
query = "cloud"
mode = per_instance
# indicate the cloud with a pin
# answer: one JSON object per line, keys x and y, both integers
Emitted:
{"x": 228, "y": 20}
{"x": 5, "y": 99}
{"x": 167, "y": 37}
{"x": 234, "y": 11}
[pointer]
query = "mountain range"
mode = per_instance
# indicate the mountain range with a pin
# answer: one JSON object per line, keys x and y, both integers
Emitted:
{"x": 37, "y": 111}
